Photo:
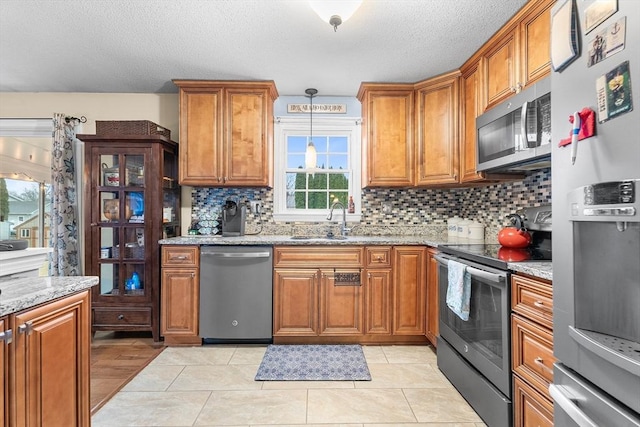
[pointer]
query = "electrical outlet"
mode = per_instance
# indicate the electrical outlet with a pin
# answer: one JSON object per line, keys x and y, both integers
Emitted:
{"x": 386, "y": 208}
{"x": 256, "y": 207}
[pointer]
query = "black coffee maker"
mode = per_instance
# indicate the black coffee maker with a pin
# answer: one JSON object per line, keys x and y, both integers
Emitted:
{"x": 233, "y": 218}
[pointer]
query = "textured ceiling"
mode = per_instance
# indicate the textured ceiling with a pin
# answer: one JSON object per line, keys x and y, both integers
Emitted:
{"x": 139, "y": 46}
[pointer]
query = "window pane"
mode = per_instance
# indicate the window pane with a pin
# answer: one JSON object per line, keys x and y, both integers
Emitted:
{"x": 295, "y": 161}
{"x": 296, "y": 144}
{"x": 337, "y": 196}
{"x": 300, "y": 200}
{"x": 321, "y": 143}
{"x": 318, "y": 181}
{"x": 338, "y": 161}
{"x": 338, "y": 144}
{"x": 20, "y": 211}
{"x": 339, "y": 181}
{"x": 317, "y": 200}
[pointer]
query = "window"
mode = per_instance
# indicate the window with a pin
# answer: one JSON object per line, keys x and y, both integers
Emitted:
{"x": 25, "y": 233}
{"x": 303, "y": 195}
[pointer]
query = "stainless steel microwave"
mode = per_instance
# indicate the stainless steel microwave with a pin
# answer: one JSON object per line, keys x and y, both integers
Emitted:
{"x": 516, "y": 135}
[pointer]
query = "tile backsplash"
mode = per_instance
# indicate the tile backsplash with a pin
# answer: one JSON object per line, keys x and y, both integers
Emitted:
{"x": 412, "y": 210}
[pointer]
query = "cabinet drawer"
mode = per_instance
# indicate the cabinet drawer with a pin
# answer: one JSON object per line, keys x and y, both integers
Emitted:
{"x": 532, "y": 299}
{"x": 318, "y": 256}
{"x": 530, "y": 407}
{"x": 121, "y": 316}
{"x": 378, "y": 257}
{"x": 532, "y": 353}
{"x": 180, "y": 256}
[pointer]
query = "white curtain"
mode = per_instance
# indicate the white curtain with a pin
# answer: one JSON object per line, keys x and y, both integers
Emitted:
{"x": 65, "y": 256}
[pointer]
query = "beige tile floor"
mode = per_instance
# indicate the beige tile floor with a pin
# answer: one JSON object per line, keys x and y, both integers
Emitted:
{"x": 214, "y": 385}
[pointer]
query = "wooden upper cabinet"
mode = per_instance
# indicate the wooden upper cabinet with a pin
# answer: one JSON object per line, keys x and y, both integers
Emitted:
{"x": 387, "y": 134}
{"x": 469, "y": 109}
{"x": 518, "y": 55}
{"x": 500, "y": 65}
{"x": 535, "y": 43}
{"x": 226, "y": 132}
{"x": 437, "y": 130}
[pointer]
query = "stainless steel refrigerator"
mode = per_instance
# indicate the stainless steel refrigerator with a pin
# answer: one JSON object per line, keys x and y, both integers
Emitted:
{"x": 596, "y": 212}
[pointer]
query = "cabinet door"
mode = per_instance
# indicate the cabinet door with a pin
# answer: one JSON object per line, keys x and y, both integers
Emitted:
{"x": 247, "y": 141}
{"x": 469, "y": 110}
{"x": 200, "y": 136}
{"x": 409, "y": 285}
{"x": 4, "y": 370}
{"x": 432, "y": 296}
{"x": 500, "y": 70}
{"x": 341, "y": 303}
{"x": 378, "y": 302}
{"x": 295, "y": 302}
{"x": 535, "y": 61}
{"x": 180, "y": 302}
{"x": 387, "y": 136}
{"x": 52, "y": 346}
{"x": 529, "y": 407}
{"x": 437, "y": 136}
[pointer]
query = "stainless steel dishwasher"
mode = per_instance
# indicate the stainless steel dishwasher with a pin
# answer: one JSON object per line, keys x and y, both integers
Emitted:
{"x": 236, "y": 294}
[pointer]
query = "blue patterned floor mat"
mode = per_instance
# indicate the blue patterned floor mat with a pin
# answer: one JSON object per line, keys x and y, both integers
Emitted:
{"x": 313, "y": 363}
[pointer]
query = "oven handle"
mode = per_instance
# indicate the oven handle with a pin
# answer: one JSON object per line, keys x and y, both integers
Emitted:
{"x": 491, "y": 277}
{"x": 567, "y": 403}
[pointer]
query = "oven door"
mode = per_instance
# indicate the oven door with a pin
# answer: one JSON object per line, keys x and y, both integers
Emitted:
{"x": 484, "y": 339}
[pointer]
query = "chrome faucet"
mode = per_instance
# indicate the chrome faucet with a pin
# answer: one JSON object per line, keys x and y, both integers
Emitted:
{"x": 343, "y": 227}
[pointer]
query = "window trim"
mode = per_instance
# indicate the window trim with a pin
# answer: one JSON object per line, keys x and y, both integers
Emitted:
{"x": 283, "y": 127}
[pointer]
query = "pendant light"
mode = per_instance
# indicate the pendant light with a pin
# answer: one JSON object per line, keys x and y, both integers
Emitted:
{"x": 310, "y": 155}
{"x": 335, "y": 12}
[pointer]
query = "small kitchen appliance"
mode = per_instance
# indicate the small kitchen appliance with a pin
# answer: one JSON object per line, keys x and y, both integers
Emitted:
{"x": 233, "y": 218}
{"x": 515, "y": 136}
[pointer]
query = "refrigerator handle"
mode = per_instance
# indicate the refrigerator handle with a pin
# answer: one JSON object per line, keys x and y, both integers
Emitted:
{"x": 567, "y": 404}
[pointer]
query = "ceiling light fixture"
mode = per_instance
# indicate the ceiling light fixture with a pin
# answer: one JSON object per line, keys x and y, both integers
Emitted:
{"x": 335, "y": 12}
{"x": 310, "y": 155}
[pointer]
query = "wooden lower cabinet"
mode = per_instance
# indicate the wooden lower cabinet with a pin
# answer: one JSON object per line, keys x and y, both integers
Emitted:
{"x": 378, "y": 302}
{"x": 295, "y": 308}
{"x": 530, "y": 408}
{"x": 51, "y": 359}
{"x": 432, "y": 297}
{"x": 312, "y": 302}
{"x": 409, "y": 290}
{"x": 532, "y": 350}
{"x": 341, "y": 303}
{"x": 180, "y": 295}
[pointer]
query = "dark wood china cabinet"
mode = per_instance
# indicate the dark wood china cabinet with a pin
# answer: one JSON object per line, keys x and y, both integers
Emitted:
{"x": 132, "y": 201}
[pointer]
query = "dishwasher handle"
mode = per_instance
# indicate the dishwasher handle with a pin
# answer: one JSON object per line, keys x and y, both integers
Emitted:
{"x": 237, "y": 254}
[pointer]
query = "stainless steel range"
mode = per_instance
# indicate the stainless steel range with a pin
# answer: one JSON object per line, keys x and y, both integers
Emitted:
{"x": 475, "y": 354}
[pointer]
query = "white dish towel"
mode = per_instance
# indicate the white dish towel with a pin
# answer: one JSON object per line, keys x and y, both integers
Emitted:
{"x": 459, "y": 289}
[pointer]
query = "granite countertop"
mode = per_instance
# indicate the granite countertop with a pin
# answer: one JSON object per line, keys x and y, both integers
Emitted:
{"x": 21, "y": 294}
{"x": 302, "y": 240}
{"x": 542, "y": 270}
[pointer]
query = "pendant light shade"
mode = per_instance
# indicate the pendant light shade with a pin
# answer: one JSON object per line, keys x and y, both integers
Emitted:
{"x": 310, "y": 155}
{"x": 335, "y": 12}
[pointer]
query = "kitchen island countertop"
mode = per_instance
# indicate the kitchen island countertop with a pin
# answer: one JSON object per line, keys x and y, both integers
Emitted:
{"x": 21, "y": 294}
{"x": 538, "y": 269}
